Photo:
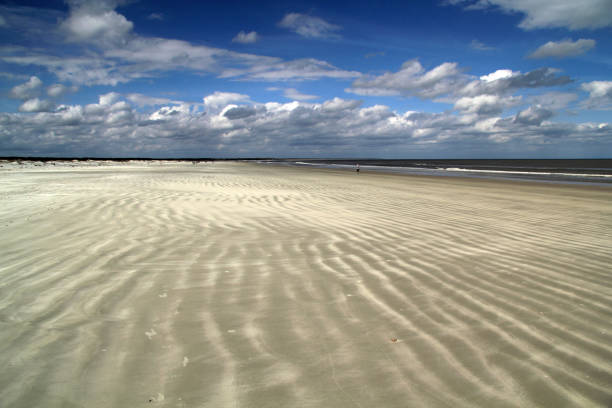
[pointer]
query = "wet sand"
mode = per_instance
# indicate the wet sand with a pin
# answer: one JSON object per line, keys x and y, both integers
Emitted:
{"x": 244, "y": 285}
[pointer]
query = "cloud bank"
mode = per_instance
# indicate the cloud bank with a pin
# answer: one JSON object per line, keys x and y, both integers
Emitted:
{"x": 231, "y": 124}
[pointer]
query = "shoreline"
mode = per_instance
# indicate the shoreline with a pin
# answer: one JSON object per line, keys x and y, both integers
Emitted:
{"x": 536, "y": 177}
{"x": 459, "y": 179}
{"x": 92, "y": 164}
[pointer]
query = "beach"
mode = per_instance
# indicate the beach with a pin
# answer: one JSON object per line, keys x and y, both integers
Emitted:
{"x": 232, "y": 284}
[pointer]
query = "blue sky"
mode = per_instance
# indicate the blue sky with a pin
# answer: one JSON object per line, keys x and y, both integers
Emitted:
{"x": 439, "y": 79}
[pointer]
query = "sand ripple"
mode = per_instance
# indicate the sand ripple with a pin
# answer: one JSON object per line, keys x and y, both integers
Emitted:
{"x": 251, "y": 286}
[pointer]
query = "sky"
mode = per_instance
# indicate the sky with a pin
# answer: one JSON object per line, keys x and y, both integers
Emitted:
{"x": 386, "y": 79}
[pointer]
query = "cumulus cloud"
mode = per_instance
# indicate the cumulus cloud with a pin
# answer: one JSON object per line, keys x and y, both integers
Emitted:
{"x": 28, "y": 89}
{"x": 109, "y": 98}
{"x": 575, "y": 15}
{"x": 486, "y": 104}
{"x": 239, "y": 112}
{"x": 309, "y": 26}
{"x": 600, "y": 95}
{"x": 96, "y": 22}
{"x": 412, "y": 79}
{"x": 58, "y": 90}
{"x": 563, "y": 49}
{"x": 246, "y": 38}
{"x": 537, "y": 78}
{"x": 174, "y": 112}
{"x": 36, "y": 105}
{"x": 146, "y": 100}
{"x": 221, "y": 99}
{"x": 534, "y": 115}
{"x": 499, "y": 74}
{"x": 553, "y": 100}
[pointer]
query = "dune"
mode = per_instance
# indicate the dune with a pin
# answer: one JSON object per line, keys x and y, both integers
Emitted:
{"x": 242, "y": 285}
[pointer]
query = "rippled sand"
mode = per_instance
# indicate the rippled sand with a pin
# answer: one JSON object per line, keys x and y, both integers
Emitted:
{"x": 243, "y": 285}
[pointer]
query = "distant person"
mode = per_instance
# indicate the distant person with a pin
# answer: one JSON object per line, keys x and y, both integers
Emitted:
{"x": 357, "y": 167}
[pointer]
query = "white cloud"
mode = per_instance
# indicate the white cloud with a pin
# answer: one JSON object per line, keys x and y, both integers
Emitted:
{"x": 553, "y": 100}
{"x": 171, "y": 112}
{"x": 447, "y": 82}
{"x": 145, "y": 100}
{"x": 28, "y": 89}
{"x": 91, "y": 70}
{"x": 58, "y": 90}
{"x": 301, "y": 69}
{"x": 572, "y": 14}
{"x": 598, "y": 89}
{"x": 486, "y": 104}
{"x": 600, "y": 95}
{"x": 412, "y": 79}
{"x": 309, "y": 26}
{"x": 534, "y": 115}
{"x": 562, "y": 49}
{"x": 3, "y": 22}
{"x": 488, "y": 125}
{"x": 292, "y": 93}
{"x": 148, "y": 57}
{"x": 338, "y": 104}
{"x": 221, "y": 99}
{"x": 96, "y": 22}
{"x": 109, "y": 98}
{"x": 36, "y": 105}
{"x": 499, "y": 74}
{"x": 504, "y": 81}
{"x": 246, "y": 38}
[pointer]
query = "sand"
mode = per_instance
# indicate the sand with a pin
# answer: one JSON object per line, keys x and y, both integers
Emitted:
{"x": 245, "y": 285}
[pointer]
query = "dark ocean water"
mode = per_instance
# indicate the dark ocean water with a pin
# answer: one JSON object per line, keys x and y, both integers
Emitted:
{"x": 544, "y": 170}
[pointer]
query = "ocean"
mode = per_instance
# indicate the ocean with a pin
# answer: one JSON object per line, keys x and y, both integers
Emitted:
{"x": 582, "y": 171}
